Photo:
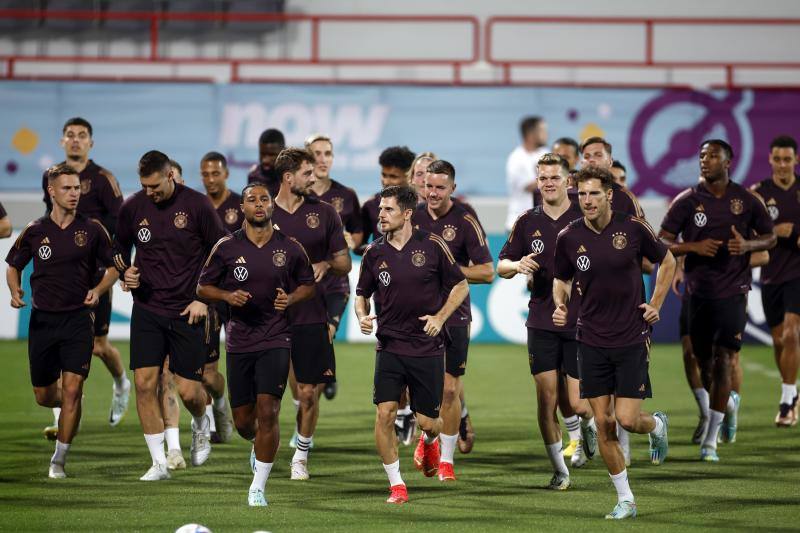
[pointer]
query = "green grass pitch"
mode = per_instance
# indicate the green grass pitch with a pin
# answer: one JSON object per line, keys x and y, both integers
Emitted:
{"x": 755, "y": 486}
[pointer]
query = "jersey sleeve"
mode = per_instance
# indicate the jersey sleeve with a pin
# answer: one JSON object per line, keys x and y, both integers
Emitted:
{"x": 210, "y": 224}
{"x": 123, "y": 239}
{"x": 111, "y": 198}
{"x": 676, "y": 217}
{"x": 103, "y": 247}
{"x": 563, "y": 268}
{"x": 513, "y": 248}
{"x": 354, "y": 224}
{"x": 760, "y": 221}
{"x": 651, "y": 246}
{"x": 624, "y": 201}
{"x": 301, "y": 273}
{"x": 368, "y": 226}
{"x": 21, "y": 253}
{"x": 450, "y": 273}
{"x": 366, "y": 279}
{"x": 214, "y": 270}
{"x": 475, "y": 240}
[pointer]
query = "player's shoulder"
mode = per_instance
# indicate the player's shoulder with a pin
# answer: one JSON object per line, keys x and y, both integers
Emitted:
{"x": 687, "y": 195}
{"x": 234, "y": 198}
{"x": 572, "y": 228}
{"x": 342, "y": 188}
{"x": 637, "y": 222}
{"x": 224, "y": 243}
{"x": 372, "y": 201}
{"x": 95, "y": 225}
{"x": 134, "y": 201}
{"x": 32, "y": 229}
{"x": 292, "y": 244}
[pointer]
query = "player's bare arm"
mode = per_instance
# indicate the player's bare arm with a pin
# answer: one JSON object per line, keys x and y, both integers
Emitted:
{"x": 5, "y": 227}
{"x": 362, "y": 312}
{"x": 483, "y": 273}
{"x": 561, "y": 291}
{"x": 434, "y": 323}
{"x": 210, "y": 293}
{"x": 109, "y": 278}
{"x": 300, "y": 294}
{"x": 706, "y": 247}
{"x": 666, "y": 271}
{"x": 738, "y": 245}
{"x": 507, "y": 269}
{"x": 14, "y": 287}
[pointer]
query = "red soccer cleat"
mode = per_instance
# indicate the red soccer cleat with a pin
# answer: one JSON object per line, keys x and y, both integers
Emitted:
{"x": 419, "y": 453}
{"x": 399, "y": 494}
{"x": 446, "y": 472}
{"x": 430, "y": 459}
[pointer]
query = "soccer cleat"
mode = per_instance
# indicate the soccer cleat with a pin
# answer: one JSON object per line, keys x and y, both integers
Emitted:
{"x": 589, "y": 440}
{"x": 157, "y": 472}
{"x": 256, "y": 498}
{"x": 419, "y": 453}
{"x": 175, "y": 460}
{"x": 223, "y": 423}
{"x": 119, "y": 403}
{"x": 330, "y": 390}
{"x": 201, "y": 442}
{"x": 659, "y": 444}
{"x": 466, "y": 435}
{"x": 299, "y": 470}
{"x": 700, "y": 431}
{"x": 253, "y": 458}
{"x": 787, "y": 414}
{"x": 56, "y": 471}
{"x": 559, "y": 481}
{"x": 430, "y": 458}
{"x": 293, "y": 441}
{"x": 727, "y": 432}
{"x": 405, "y": 433}
{"x": 579, "y": 457}
{"x": 398, "y": 494}
{"x": 51, "y": 432}
{"x": 709, "y": 455}
{"x": 446, "y": 472}
{"x": 622, "y": 510}
{"x": 570, "y": 448}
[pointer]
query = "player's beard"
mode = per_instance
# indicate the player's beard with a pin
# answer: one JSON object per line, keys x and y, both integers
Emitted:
{"x": 299, "y": 192}
{"x": 259, "y": 223}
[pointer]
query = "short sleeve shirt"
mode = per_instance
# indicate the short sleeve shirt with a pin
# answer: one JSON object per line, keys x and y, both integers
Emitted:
{"x": 783, "y": 205}
{"x": 345, "y": 201}
{"x": 369, "y": 218}
{"x": 230, "y": 212}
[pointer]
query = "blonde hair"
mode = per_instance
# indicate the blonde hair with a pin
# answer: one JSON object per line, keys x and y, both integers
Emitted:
{"x": 420, "y": 157}
{"x": 314, "y": 137}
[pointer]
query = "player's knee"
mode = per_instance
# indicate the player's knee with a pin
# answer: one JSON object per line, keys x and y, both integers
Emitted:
{"x": 450, "y": 392}
{"x": 386, "y": 416}
{"x": 627, "y": 421}
{"x": 145, "y": 383}
{"x": 790, "y": 336}
{"x": 45, "y": 397}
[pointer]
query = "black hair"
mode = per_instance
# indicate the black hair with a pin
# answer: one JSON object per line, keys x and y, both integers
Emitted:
{"x": 528, "y": 124}
{"x": 569, "y": 141}
{"x": 617, "y": 164}
{"x": 593, "y": 140}
{"x": 722, "y": 144}
{"x": 174, "y": 164}
{"x": 587, "y": 173}
{"x": 406, "y": 196}
{"x": 252, "y": 185}
{"x": 215, "y": 156}
{"x": 397, "y": 156}
{"x": 291, "y": 159}
{"x": 272, "y": 136}
{"x": 440, "y": 166}
{"x": 77, "y": 121}
{"x": 153, "y": 161}
{"x": 783, "y": 141}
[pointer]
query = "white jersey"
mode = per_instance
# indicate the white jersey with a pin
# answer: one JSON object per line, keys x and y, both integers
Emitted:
{"x": 520, "y": 173}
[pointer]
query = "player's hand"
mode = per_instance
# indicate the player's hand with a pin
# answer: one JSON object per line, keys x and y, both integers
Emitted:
{"x": 123, "y": 286}
{"x": 527, "y": 265}
{"x": 237, "y": 298}
{"x": 320, "y": 269}
{"x": 197, "y": 311}
{"x": 131, "y": 277}
{"x": 560, "y": 316}
{"x": 738, "y": 244}
{"x": 707, "y": 247}
{"x": 91, "y": 298}
{"x": 677, "y": 280}
{"x": 281, "y": 300}
{"x": 16, "y": 299}
{"x": 650, "y": 314}
{"x": 365, "y": 323}
{"x": 433, "y": 325}
{"x": 784, "y": 229}
{"x": 348, "y": 238}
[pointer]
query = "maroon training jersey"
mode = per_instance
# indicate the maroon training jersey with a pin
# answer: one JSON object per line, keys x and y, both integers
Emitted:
{"x": 783, "y": 205}
{"x": 369, "y": 218}
{"x": 409, "y": 283}
{"x": 535, "y": 232}
{"x": 345, "y": 201}
{"x": 317, "y": 227}
{"x": 237, "y": 263}
{"x": 607, "y": 267}
{"x": 172, "y": 239}
{"x": 65, "y": 261}
{"x": 464, "y": 237}
{"x": 622, "y": 200}
{"x": 695, "y": 215}
{"x": 270, "y": 179}
{"x": 230, "y": 212}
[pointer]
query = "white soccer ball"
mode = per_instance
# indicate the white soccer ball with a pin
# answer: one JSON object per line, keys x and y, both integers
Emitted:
{"x": 193, "y": 528}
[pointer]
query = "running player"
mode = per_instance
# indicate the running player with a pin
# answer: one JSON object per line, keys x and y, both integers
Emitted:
{"x": 270, "y": 144}
{"x": 172, "y": 227}
{"x": 416, "y": 174}
{"x": 596, "y": 152}
{"x": 419, "y": 286}
{"x": 619, "y": 172}
{"x": 64, "y": 245}
{"x": 601, "y": 254}
{"x": 259, "y": 272}
{"x": 568, "y": 149}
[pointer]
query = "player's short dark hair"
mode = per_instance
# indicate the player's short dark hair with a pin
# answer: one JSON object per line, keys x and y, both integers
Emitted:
{"x": 77, "y": 121}
{"x": 272, "y": 136}
{"x": 783, "y": 141}
{"x": 291, "y": 159}
{"x": 528, "y": 124}
{"x": 153, "y": 161}
{"x": 617, "y": 164}
{"x": 554, "y": 159}
{"x": 59, "y": 170}
{"x": 405, "y": 194}
{"x": 215, "y": 156}
{"x": 174, "y": 164}
{"x": 722, "y": 144}
{"x": 398, "y": 157}
{"x": 253, "y": 185}
{"x": 595, "y": 173}
{"x": 596, "y": 139}
{"x": 569, "y": 141}
{"x": 440, "y": 166}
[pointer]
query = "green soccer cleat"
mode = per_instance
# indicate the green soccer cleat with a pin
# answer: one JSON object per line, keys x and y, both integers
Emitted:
{"x": 589, "y": 440}
{"x": 709, "y": 455}
{"x": 622, "y": 510}
{"x": 256, "y": 498}
{"x": 659, "y": 444}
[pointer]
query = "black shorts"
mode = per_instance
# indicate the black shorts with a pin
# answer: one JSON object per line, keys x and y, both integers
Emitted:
{"x": 154, "y": 336}
{"x": 254, "y": 373}
{"x": 102, "y": 314}
{"x": 552, "y": 350}
{"x": 313, "y": 360}
{"x": 59, "y": 342}
{"x": 779, "y": 299}
{"x": 424, "y": 377}
{"x": 620, "y": 371}
{"x": 335, "y": 304}
{"x": 213, "y": 327}
{"x": 683, "y": 318}
{"x": 455, "y": 348}
{"x": 718, "y": 322}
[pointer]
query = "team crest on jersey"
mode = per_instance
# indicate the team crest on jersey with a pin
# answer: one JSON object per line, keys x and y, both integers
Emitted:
{"x": 312, "y": 220}
{"x": 583, "y": 263}
{"x": 86, "y": 186}
{"x": 385, "y": 277}
{"x": 279, "y": 258}
{"x": 418, "y": 258}
{"x": 619, "y": 240}
{"x": 80, "y": 238}
{"x": 180, "y": 220}
{"x": 45, "y": 252}
{"x": 449, "y": 233}
{"x": 700, "y": 219}
{"x": 737, "y": 206}
{"x": 231, "y": 216}
{"x": 773, "y": 212}
{"x": 143, "y": 235}
{"x": 338, "y": 203}
{"x": 240, "y": 273}
{"x": 537, "y": 246}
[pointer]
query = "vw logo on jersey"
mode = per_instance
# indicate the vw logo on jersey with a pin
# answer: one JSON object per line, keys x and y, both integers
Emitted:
{"x": 385, "y": 278}
{"x": 583, "y": 263}
{"x": 700, "y": 219}
{"x": 240, "y": 273}
{"x": 537, "y": 246}
{"x": 773, "y": 212}
{"x": 45, "y": 252}
{"x": 144, "y": 235}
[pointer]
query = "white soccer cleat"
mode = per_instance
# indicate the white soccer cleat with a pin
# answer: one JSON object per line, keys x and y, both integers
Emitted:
{"x": 256, "y": 498}
{"x": 56, "y": 471}
{"x": 157, "y": 472}
{"x": 223, "y": 423}
{"x": 299, "y": 470}
{"x": 201, "y": 442}
{"x": 578, "y": 458}
{"x": 119, "y": 403}
{"x": 175, "y": 460}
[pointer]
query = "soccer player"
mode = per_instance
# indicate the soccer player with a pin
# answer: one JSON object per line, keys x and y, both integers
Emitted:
{"x": 259, "y": 272}
{"x": 5, "y": 223}
{"x": 569, "y": 150}
{"x": 530, "y": 251}
{"x": 521, "y": 167}
{"x": 416, "y": 174}
{"x": 67, "y": 249}
{"x": 101, "y": 199}
{"x": 173, "y": 227}
{"x": 318, "y": 228}
{"x": 419, "y": 285}
{"x": 596, "y": 152}
{"x": 619, "y": 172}
{"x": 780, "y": 278}
{"x": 270, "y": 144}
{"x": 712, "y": 219}
{"x": 463, "y": 234}
{"x": 601, "y": 254}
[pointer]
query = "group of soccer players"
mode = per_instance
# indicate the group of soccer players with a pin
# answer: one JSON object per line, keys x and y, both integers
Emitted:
{"x": 271, "y": 266}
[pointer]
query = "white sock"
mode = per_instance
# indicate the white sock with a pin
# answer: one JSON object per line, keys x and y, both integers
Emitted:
{"x": 556, "y": 457}
{"x": 659, "y": 429}
{"x": 56, "y": 415}
{"x": 427, "y": 438}
{"x": 624, "y": 438}
{"x": 588, "y": 423}
{"x": 301, "y": 452}
{"x": 714, "y": 422}
{"x": 405, "y": 411}
{"x": 200, "y": 423}
{"x": 448, "y": 443}
{"x": 788, "y": 392}
{"x": 260, "y": 476}
{"x": 220, "y": 404}
{"x": 155, "y": 443}
{"x": 296, "y": 404}
{"x": 173, "y": 438}
{"x": 731, "y": 405}
{"x": 210, "y": 415}
{"x": 620, "y": 482}
{"x": 701, "y": 396}
{"x": 119, "y": 381}
{"x": 60, "y": 455}
{"x": 464, "y": 411}
{"x": 393, "y": 471}
{"x": 573, "y": 427}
